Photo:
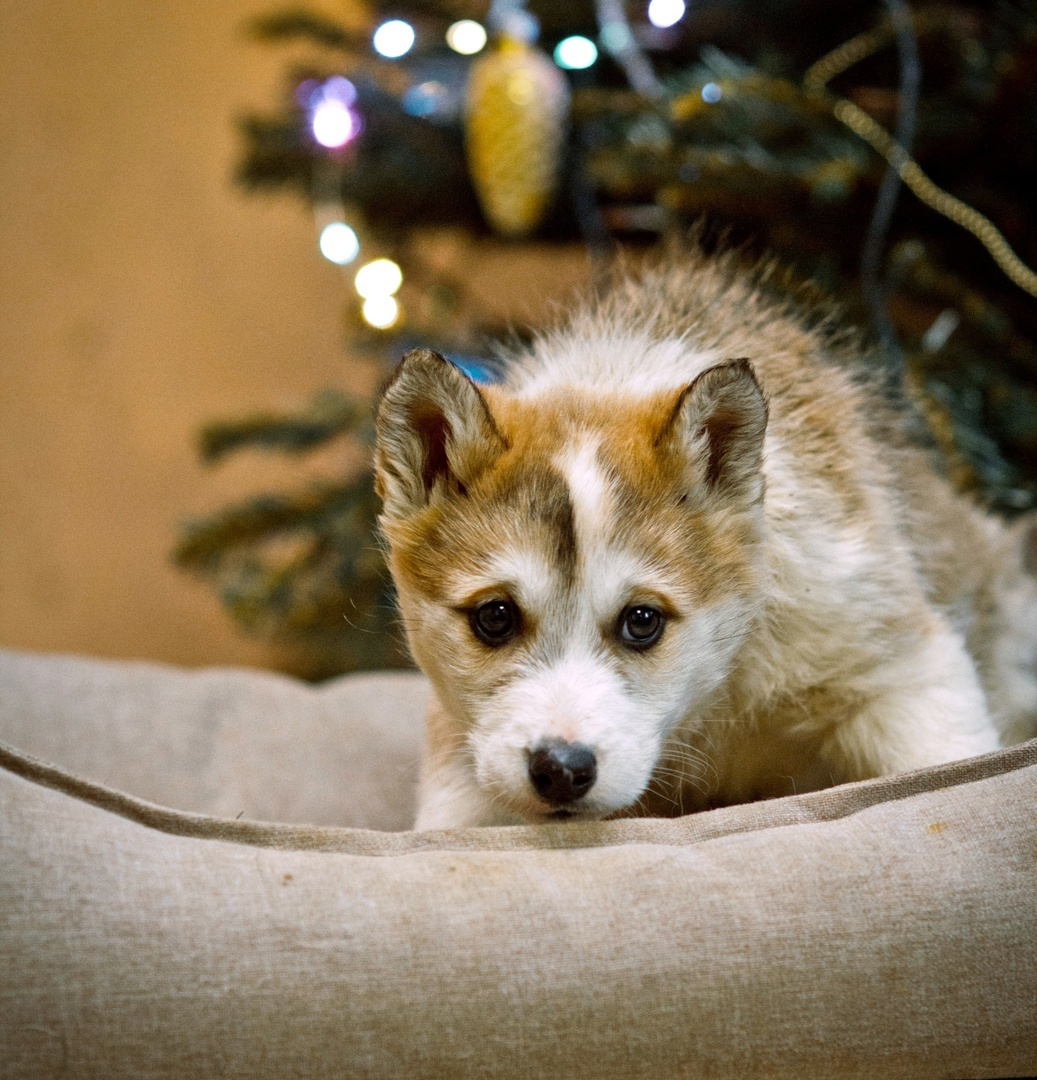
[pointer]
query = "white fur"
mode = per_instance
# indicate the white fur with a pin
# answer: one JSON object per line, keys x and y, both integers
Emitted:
{"x": 588, "y": 488}
{"x": 578, "y": 698}
{"x": 610, "y": 360}
{"x": 888, "y": 616}
{"x": 525, "y": 572}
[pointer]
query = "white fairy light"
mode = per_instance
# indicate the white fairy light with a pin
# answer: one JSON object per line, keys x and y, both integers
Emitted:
{"x": 381, "y": 277}
{"x": 338, "y": 86}
{"x": 663, "y": 13}
{"x": 339, "y": 243}
{"x": 466, "y": 37}
{"x": 381, "y": 311}
{"x": 393, "y": 38}
{"x": 332, "y": 122}
{"x": 575, "y": 53}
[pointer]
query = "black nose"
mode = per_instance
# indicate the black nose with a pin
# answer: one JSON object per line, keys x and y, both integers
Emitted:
{"x": 562, "y": 771}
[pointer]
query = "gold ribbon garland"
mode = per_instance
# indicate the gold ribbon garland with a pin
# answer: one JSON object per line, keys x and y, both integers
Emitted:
{"x": 815, "y": 84}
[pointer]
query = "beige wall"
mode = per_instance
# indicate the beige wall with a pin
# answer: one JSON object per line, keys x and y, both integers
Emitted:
{"x": 140, "y": 295}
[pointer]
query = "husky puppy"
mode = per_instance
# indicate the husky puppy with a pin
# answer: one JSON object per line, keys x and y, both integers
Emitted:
{"x": 686, "y": 556}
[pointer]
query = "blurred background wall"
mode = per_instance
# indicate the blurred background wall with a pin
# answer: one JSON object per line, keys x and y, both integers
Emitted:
{"x": 140, "y": 295}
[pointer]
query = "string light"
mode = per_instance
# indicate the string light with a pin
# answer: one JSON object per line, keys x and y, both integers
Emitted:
{"x": 466, "y": 37}
{"x": 381, "y": 277}
{"x": 575, "y": 53}
{"x": 338, "y": 87}
{"x": 332, "y": 124}
{"x": 712, "y": 93}
{"x": 339, "y": 243}
{"x": 664, "y": 13}
{"x": 376, "y": 282}
{"x": 381, "y": 311}
{"x": 393, "y": 39}
{"x": 332, "y": 119}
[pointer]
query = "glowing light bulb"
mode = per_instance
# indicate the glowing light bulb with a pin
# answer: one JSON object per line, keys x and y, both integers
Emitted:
{"x": 393, "y": 38}
{"x": 332, "y": 123}
{"x": 663, "y": 13}
{"x": 381, "y": 277}
{"x": 381, "y": 311}
{"x": 466, "y": 37}
{"x": 575, "y": 53}
{"x": 338, "y": 86}
{"x": 339, "y": 243}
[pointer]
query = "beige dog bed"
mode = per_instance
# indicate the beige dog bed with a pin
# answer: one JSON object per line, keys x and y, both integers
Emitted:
{"x": 151, "y": 925}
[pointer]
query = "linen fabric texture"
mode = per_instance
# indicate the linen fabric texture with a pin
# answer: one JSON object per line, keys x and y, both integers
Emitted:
{"x": 880, "y": 929}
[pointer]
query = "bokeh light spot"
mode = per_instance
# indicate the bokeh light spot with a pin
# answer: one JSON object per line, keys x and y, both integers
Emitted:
{"x": 393, "y": 38}
{"x": 575, "y": 53}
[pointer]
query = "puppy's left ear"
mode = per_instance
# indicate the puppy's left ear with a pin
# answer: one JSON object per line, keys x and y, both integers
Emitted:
{"x": 718, "y": 421}
{"x": 435, "y": 433}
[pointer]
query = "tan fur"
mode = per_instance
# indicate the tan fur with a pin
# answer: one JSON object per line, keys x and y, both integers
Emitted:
{"x": 834, "y": 609}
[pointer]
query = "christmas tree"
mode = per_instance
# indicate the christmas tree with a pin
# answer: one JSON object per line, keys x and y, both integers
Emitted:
{"x": 789, "y": 128}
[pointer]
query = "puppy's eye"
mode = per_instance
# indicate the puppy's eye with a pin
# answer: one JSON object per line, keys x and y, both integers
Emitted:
{"x": 494, "y": 622}
{"x": 640, "y": 626}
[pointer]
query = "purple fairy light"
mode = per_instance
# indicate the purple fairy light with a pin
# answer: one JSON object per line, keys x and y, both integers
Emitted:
{"x": 333, "y": 120}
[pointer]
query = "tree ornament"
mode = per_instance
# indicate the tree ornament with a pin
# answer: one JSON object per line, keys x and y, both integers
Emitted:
{"x": 517, "y": 115}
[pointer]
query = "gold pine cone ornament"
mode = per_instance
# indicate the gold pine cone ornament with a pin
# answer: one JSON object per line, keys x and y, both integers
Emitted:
{"x": 517, "y": 115}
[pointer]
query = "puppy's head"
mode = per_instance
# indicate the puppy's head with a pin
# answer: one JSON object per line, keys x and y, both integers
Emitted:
{"x": 575, "y": 570}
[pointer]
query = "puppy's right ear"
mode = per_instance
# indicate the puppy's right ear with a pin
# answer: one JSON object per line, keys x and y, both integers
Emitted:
{"x": 434, "y": 432}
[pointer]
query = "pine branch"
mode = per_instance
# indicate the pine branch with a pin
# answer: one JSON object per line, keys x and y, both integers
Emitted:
{"x": 347, "y": 508}
{"x": 299, "y": 23}
{"x": 330, "y": 414}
